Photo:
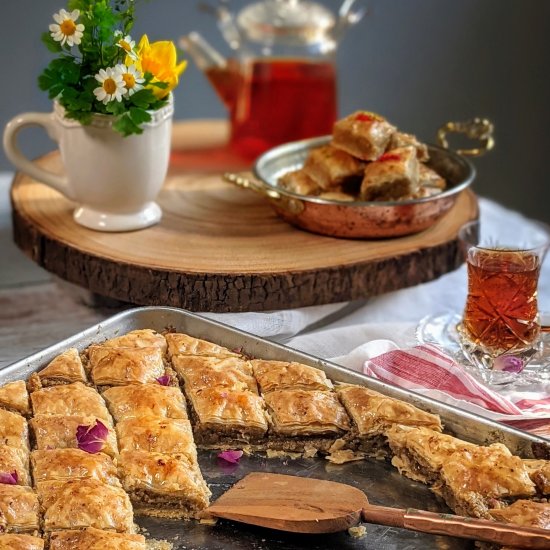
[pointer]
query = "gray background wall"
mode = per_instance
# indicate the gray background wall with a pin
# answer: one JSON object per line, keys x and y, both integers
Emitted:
{"x": 418, "y": 62}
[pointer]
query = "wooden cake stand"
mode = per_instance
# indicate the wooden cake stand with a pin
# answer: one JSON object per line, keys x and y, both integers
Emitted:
{"x": 219, "y": 248}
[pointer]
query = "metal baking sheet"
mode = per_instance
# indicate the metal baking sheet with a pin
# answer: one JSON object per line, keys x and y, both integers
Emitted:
{"x": 378, "y": 479}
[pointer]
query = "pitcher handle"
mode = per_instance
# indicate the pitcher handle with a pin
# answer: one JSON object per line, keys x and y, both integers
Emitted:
{"x": 477, "y": 128}
{"x": 15, "y": 155}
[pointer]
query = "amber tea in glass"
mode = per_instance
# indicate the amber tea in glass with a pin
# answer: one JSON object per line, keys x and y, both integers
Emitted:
{"x": 501, "y": 315}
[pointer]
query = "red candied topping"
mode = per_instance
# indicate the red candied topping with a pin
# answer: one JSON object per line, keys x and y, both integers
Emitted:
{"x": 364, "y": 117}
{"x": 389, "y": 156}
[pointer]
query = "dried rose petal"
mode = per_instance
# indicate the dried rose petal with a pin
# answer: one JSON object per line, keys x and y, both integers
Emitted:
{"x": 92, "y": 438}
{"x": 9, "y": 478}
{"x": 231, "y": 456}
{"x": 164, "y": 380}
{"x": 508, "y": 363}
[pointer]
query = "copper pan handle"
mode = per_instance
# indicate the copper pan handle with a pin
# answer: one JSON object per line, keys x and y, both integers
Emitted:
{"x": 477, "y": 128}
{"x": 294, "y": 206}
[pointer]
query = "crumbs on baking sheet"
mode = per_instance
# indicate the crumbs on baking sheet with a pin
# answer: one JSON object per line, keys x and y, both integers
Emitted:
{"x": 358, "y": 531}
{"x": 341, "y": 457}
{"x": 153, "y": 544}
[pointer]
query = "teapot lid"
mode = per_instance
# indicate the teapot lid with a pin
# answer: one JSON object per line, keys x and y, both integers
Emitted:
{"x": 292, "y": 22}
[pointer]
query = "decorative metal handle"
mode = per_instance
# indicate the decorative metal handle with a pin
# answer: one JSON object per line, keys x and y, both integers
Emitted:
{"x": 294, "y": 206}
{"x": 477, "y": 128}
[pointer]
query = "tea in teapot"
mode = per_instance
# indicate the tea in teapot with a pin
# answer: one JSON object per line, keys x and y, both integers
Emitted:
{"x": 281, "y": 86}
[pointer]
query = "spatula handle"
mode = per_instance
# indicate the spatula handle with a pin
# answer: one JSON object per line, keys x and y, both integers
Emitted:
{"x": 458, "y": 526}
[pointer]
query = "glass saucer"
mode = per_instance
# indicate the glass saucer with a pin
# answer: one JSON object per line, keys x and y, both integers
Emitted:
{"x": 440, "y": 329}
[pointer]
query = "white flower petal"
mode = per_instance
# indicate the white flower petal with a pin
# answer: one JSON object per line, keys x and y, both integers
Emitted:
{"x": 75, "y": 14}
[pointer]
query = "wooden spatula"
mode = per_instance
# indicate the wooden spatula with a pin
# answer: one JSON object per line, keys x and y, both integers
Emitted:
{"x": 305, "y": 505}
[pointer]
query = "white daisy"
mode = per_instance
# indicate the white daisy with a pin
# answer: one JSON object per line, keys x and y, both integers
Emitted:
{"x": 112, "y": 85}
{"x": 132, "y": 78}
{"x": 127, "y": 44}
{"x": 65, "y": 28}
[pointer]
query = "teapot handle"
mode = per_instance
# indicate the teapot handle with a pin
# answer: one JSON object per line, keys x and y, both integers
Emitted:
{"x": 477, "y": 128}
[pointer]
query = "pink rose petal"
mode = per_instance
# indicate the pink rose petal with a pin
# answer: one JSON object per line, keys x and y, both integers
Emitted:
{"x": 9, "y": 478}
{"x": 231, "y": 456}
{"x": 164, "y": 380}
{"x": 508, "y": 363}
{"x": 92, "y": 438}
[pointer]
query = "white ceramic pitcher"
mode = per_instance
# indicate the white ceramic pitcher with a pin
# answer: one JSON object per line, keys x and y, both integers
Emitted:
{"x": 113, "y": 179}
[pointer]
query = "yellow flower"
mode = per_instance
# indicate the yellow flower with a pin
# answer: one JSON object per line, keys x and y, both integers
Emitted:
{"x": 159, "y": 59}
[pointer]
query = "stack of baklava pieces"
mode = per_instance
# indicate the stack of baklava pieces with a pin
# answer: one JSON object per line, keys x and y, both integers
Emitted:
{"x": 368, "y": 159}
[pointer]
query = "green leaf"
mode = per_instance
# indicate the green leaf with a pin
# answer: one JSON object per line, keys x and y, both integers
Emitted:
{"x": 143, "y": 98}
{"x": 126, "y": 126}
{"x": 51, "y": 44}
{"x": 139, "y": 116}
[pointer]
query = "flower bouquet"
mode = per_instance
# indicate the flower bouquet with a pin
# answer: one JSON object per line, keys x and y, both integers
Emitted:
{"x": 100, "y": 70}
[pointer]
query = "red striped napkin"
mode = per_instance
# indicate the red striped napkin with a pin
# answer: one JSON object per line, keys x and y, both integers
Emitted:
{"x": 426, "y": 369}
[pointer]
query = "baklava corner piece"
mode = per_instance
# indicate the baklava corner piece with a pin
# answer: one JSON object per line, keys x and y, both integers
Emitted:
{"x": 475, "y": 480}
{"x": 160, "y": 485}
{"x": 15, "y": 398}
{"x": 373, "y": 414}
{"x": 81, "y": 503}
{"x": 21, "y": 542}
{"x": 63, "y": 369}
{"x": 302, "y": 420}
{"x": 91, "y": 538}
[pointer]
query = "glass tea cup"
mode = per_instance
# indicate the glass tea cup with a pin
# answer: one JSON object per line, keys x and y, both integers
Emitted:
{"x": 500, "y": 328}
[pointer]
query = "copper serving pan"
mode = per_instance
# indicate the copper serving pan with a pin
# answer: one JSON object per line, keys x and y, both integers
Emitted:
{"x": 359, "y": 219}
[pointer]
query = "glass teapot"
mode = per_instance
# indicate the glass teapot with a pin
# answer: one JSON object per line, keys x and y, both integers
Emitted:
{"x": 280, "y": 85}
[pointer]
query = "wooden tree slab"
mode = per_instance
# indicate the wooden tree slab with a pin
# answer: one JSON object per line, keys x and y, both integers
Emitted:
{"x": 219, "y": 248}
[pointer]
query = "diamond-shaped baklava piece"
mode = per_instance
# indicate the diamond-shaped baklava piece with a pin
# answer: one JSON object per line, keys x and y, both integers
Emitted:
{"x": 121, "y": 366}
{"x": 199, "y": 372}
{"x": 145, "y": 399}
{"x": 420, "y": 452}
{"x": 80, "y": 503}
{"x": 222, "y": 417}
{"x": 21, "y": 542}
{"x": 477, "y": 479}
{"x": 14, "y": 463}
{"x": 18, "y": 509}
{"x": 95, "y": 539}
{"x": 163, "y": 485}
{"x": 183, "y": 344}
{"x": 65, "y": 464}
{"x": 142, "y": 338}
{"x": 305, "y": 419}
{"x": 282, "y": 375}
{"x": 55, "y": 431}
{"x": 159, "y": 435}
{"x": 69, "y": 400}
{"x": 14, "y": 431}
{"x": 63, "y": 369}
{"x": 15, "y": 397}
{"x": 374, "y": 413}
